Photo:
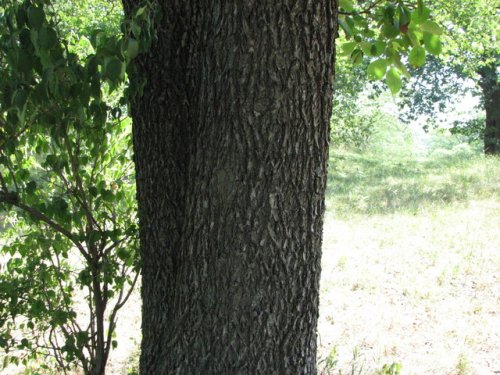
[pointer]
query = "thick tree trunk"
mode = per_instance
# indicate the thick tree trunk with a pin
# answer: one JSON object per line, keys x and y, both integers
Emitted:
{"x": 491, "y": 94}
{"x": 231, "y": 146}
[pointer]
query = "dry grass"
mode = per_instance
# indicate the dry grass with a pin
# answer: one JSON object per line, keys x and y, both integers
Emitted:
{"x": 413, "y": 281}
{"x": 417, "y": 290}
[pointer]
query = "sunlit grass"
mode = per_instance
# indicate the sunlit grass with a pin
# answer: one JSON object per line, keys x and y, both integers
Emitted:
{"x": 410, "y": 259}
{"x": 375, "y": 183}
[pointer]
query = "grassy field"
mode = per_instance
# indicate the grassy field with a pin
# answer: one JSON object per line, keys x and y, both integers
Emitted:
{"x": 411, "y": 261}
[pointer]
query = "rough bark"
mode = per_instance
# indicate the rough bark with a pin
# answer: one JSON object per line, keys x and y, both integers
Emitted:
{"x": 231, "y": 147}
{"x": 491, "y": 97}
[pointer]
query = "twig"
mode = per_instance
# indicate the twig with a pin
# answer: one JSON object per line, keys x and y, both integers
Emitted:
{"x": 13, "y": 199}
{"x": 364, "y": 11}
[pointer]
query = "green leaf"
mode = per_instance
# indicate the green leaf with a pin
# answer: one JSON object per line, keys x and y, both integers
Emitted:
{"x": 47, "y": 37}
{"x": 60, "y": 206}
{"x": 413, "y": 39}
{"x": 21, "y": 17}
{"x": 35, "y": 16}
{"x": 25, "y": 63}
{"x": 107, "y": 195}
{"x": 377, "y": 69}
{"x": 404, "y": 15}
{"x": 389, "y": 30}
{"x": 25, "y": 38}
{"x": 81, "y": 338}
{"x": 132, "y": 48}
{"x": 37, "y": 307}
{"x": 377, "y": 48}
{"x": 122, "y": 253}
{"x": 366, "y": 48}
{"x": 23, "y": 174}
{"x": 420, "y": 16}
{"x": 417, "y": 56}
{"x": 345, "y": 26}
{"x": 136, "y": 29}
{"x": 94, "y": 236}
{"x": 348, "y": 47}
{"x": 431, "y": 27}
{"x": 96, "y": 36}
{"x": 420, "y": 4}
{"x": 114, "y": 68}
{"x": 140, "y": 11}
{"x": 346, "y": 5}
{"x": 19, "y": 99}
{"x": 432, "y": 43}
{"x": 357, "y": 57}
{"x": 93, "y": 191}
{"x": 393, "y": 80}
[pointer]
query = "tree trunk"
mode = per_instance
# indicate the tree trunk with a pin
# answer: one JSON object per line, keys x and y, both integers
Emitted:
{"x": 491, "y": 95}
{"x": 231, "y": 147}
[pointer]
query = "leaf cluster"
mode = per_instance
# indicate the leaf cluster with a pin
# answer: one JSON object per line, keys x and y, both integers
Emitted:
{"x": 388, "y": 32}
{"x": 66, "y": 183}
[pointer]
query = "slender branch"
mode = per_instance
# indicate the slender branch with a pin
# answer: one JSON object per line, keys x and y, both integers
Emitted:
{"x": 9, "y": 167}
{"x": 119, "y": 304}
{"x": 127, "y": 296}
{"x": 13, "y": 199}
{"x": 55, "y": 347}
{"x": 364, "y": 11}
{"x": 115, "y": 244}
{"x": 17, "y": 135}
{"x": 79, "y": 184}
{"x": 76, "y": 327}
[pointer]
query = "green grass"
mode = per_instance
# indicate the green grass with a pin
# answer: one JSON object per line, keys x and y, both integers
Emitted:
{"x": 377, "y": 183}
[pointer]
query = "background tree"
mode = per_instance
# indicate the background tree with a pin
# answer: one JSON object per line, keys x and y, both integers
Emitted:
{"x": 471, "y": 52}
{"x": 378, "y": 40}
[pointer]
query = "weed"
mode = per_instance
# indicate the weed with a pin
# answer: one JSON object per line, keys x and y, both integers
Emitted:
{"x": 392, "y": 369}
{"x": 341, "y": 263}
{"x": 329, "y": 364}
{"x": 463, "y": 367}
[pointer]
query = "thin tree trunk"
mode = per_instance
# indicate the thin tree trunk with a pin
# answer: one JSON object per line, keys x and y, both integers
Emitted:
{"x": 231, "y": 147}
{"x": 491, "y": 94}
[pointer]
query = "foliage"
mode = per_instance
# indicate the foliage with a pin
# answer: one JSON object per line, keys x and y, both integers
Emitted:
{"x": 470, "y": 51}
{"x": 432, "y": 89}
{"x": 352, "y": 116}
{"x": 385, "y": 32}
{"x": 392, "y": 369}
{"x": 66, "y": 183}
{"x": 470, "y": 33}
{"x": 472, "y": 130}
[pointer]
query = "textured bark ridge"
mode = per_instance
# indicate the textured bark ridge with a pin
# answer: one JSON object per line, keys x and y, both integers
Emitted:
{"x": 231, "y": 146}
